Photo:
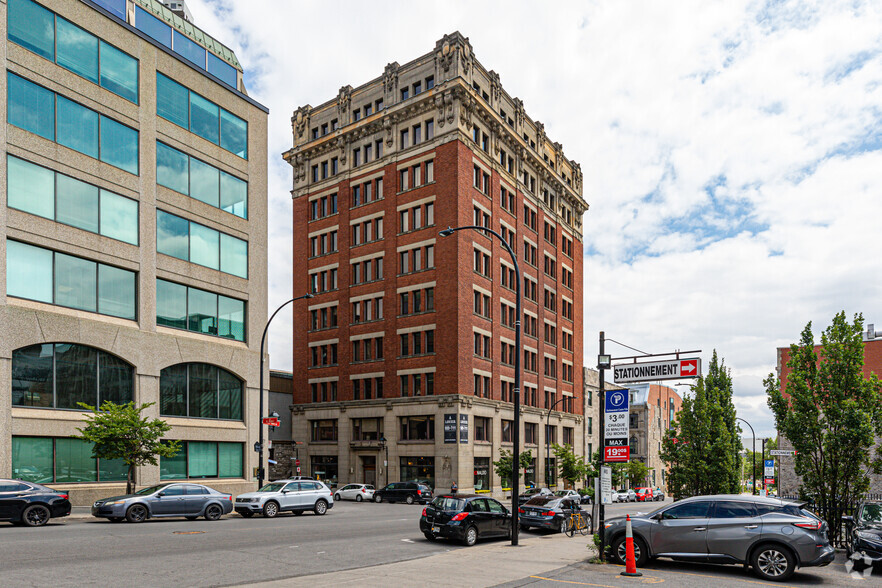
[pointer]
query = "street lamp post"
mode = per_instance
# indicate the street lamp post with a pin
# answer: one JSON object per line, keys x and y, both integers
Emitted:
{"x": 385, "y": 447}
{"x": 516, "y": 434}
{"x": 547, "y": 421}
{"x": 753, "y": 454}
{"x": 260, "y": 411}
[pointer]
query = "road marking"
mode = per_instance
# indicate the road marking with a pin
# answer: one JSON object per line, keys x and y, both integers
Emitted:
{"x": 319, "y": 552}
{"x": 716, "y": 577}
{"x": 408, "y": 540}
{"x": 572, "y": 582}
{"x": 293, "y": 546}
{"x": 187, "y": 532}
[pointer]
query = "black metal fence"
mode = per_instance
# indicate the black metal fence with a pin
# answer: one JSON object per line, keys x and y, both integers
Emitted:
{"x": 837, "y": 530}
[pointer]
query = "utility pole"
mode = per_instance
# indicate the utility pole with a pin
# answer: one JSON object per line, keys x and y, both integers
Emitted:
{"x": 765, "y": 490}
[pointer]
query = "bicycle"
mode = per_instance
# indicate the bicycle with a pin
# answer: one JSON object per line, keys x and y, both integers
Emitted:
{"x": 578, "y": 521}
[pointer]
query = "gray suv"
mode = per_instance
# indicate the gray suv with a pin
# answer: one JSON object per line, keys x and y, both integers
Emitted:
{"x": 297, "y": 496}
{"x": 772, "y": 536}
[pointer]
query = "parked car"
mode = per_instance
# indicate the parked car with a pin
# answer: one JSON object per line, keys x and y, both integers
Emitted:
{"x": 658, "y": 494}
{"x": 466, "y": 518}
{"x": 535, "y": 491}
{"x": 165, "y": 500}
{"x": 772, "y": 536}
{"x": 625, "y": 496}
{"x": 356, "y": 492}
{"x": 547, "y": 512}
{"x": 408, "y": 492}
{"x": 644, "y": 494}
{"x": 864, "y": 540}
{"x": 29, "y": 504}
{"x": 297, "y": 496}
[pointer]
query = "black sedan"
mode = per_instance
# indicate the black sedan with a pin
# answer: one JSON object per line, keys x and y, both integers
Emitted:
{"x": 547, "y": 512}
{"x": 29, "y": 504}
{"x": 466, "y": 518}
{"x": 864, "y": 543}
{"x": 165, "y": 500}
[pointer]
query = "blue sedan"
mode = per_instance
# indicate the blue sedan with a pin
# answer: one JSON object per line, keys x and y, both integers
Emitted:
{"x": 165, "y": 500}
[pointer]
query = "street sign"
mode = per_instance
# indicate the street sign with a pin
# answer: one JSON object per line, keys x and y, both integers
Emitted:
{"x": 297, "y": 462}
{"x": 616, "y": 454}
{"x": 616, "y": 426}
{"x": 271, "y": 421}
{"x": 770, "y": 481}
{"x": 673, "y": 369}
{"x": 298, "y": 470}
{"x": 782, "y": 452}
{"x": 605, "y": 485}
{"x": 769, "y": 468}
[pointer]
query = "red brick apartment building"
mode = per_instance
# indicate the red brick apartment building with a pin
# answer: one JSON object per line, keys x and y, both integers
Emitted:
{"x": 405, "y": 355}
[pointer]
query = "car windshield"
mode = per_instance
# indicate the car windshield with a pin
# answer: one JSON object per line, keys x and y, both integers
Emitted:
{"x": 871, "y": 513}
{"x": 151, "y": 489}
{"x": 550, "y": 501}
{"x": 273, "y": 487}
{"x": 448, "y": 504}
{"x": 562, "y": 493}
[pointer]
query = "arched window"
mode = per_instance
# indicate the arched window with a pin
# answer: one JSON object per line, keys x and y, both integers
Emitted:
{"x": 60, "y": 375}
{"x": 200, "y": 390}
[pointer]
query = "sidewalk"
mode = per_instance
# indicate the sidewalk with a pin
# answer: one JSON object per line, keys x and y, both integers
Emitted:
{"x": 486, "y": 564}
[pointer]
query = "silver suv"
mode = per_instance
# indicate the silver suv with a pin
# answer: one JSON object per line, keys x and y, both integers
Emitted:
{"x": 773, "y": 536}
{"x": 296, "y": 496}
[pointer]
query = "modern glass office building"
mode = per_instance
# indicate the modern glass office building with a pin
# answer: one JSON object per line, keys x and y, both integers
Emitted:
{"x": 133, "y": 245}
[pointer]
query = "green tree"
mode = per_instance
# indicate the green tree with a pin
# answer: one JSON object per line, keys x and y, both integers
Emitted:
{"x": 118, "y": 431}
{"x": 503, "y": 465}
{"x": 701, "y": 449}
{"x": 572, "y": 467}
{"x": 830, "y": 413}
{"x": 618, "y": 473}
{"x": 637, "y": 472}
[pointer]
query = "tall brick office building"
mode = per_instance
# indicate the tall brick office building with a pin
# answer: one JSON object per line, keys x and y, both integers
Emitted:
{"x": 405, "y": 354}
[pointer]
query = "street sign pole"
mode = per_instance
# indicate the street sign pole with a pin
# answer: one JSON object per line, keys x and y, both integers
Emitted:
{"x": 600, "y": 423}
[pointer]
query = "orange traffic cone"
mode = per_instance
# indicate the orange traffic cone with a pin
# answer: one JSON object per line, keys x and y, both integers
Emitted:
{"x": 630, "y": 563}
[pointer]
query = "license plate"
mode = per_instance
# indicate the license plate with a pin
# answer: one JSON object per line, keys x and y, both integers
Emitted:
{"x": 436, "y": 529}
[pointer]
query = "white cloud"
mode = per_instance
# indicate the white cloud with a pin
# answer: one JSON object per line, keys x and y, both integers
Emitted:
{"x": 771, "y": 108}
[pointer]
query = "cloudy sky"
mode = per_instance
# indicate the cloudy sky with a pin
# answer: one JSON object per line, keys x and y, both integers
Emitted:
{"x": 731, "y": 150}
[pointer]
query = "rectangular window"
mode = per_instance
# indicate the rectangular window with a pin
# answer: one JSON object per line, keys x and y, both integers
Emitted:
{"x": 45, "y": 460}
{"x": 417, "y": 428}
{"x": 55, "y": 278}
{"x": 191, "y": 111}
{"x": 190, "y": 176}
{"x": 204, "y": 459}
{"x": 199, "y": 244}
{"x": 191, "y": 309}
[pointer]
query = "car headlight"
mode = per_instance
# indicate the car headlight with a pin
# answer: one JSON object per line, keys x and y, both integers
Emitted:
{"x": 869, "y": 537}
{"x": 116, "y": 502}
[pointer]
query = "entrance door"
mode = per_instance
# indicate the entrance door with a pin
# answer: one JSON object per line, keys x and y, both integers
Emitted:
{"x": 369, "y": 466}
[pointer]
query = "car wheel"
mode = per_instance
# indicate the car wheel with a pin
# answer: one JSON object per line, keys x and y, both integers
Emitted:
{"x": 270, "y": 509}
{"x": 563, "y": 526}
{"x": 137, "y": 513}
{"x": 471, "y": 536}
{"x": 213, "y": 512}
{"x": 191, "y": 518}
{"x": 358, "y": 498}
{"x": 321, "y": 507}
{"x": 430, "y": 536}
{"x": 409, "y": 500}
{"x": 35, "y": 515}
{"x": 641, "y": 554}
{"x": 337, "y": 497}
{"x": 378, "y": 498}
{"x": 247, "y": 514}
{"x": 772, "y": 562}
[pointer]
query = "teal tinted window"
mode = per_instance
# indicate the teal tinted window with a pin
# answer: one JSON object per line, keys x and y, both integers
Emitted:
{"x": 77, "y": 127}
{"x": 171, "y": 304}
{"x": 76, "y": 50}
{"x": 203, "y": 391}
{"x": 202, "y": 311}
{"x": 188, "y": 49}
{"x": 76, "y": 375}
{"x": 112, "y": 470}
{"x": 32, "y": 379}
{"x": 75, "y": 282}
{"x": 234, "y": 134}
{"x": 233, "y": 256}
{"x": 32, "y": 27}
{"x": 233, "y": 195}
{"x": 30, "y": 187}
{"x": 30, "y": 107}
{"x": 77, "y": 203}
{"x": 204, "y": 182}
{"x": 119, "y": 217}
{"x": 172, "y": 101}
{"x": 204, "y": 246}
{"x": 172, "y": 235}
{"x": 174, "y": 468}
{"x": 204, "y": 117}
{"x": 119, "y": 72}
{"x": 173, "y": 391}
{"x": 152, "y": 26}
{"x": 115, "y": 378}
{"x": 172, "y": 168}
{"x": 229, "y": 457}
{"x": 119, "y": 145}
{"x": 231, "y": 318}
{"x": 115, "y": 7}
{"x": 221, "y": 69}
{"x": 32, "y": 459}
{"x": 74, "y": 461}
{"x": 202, "y": 459}
{"x": 116, "y": 292}
{"x": 28, "y": 272}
